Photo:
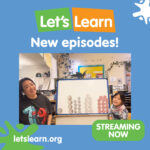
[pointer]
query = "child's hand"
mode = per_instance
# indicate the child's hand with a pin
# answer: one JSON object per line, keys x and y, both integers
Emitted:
{"x": 110, "y": 118}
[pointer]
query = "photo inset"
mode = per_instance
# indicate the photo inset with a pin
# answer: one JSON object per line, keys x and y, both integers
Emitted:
{"x": 74, "y": 88}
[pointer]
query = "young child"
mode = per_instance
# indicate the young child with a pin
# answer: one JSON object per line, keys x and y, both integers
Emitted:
{"x": 118, "y": 110}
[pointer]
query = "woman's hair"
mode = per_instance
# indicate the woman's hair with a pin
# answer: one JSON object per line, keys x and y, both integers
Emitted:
{"x": 122, "y": 97}
{"x": 20, "y": 85}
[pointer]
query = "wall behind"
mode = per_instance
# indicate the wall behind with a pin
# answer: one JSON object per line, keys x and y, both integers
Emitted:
{"x": 116, "y": 74}
{"x": 30, "y": 71}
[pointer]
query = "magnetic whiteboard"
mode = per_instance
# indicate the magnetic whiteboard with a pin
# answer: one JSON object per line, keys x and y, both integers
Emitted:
{"x": 82, "y": 96}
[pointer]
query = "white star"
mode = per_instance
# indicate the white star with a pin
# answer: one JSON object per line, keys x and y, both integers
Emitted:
{"x": 144, "y": 13}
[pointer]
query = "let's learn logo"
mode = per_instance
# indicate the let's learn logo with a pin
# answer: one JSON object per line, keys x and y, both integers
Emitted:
{"x": 83, "y": 20}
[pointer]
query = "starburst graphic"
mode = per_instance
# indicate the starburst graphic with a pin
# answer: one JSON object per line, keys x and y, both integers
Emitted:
{"x": 144, "y": 13}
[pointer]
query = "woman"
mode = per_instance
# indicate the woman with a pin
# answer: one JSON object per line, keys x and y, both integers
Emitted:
{"x": 33, "y": 107}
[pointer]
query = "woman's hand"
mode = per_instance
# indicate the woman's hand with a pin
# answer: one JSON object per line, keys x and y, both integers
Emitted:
{"x": 49, "y": 119}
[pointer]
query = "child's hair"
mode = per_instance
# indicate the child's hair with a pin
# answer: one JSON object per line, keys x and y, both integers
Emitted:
{"x": 122, "y": 97}
{"x": 20, "y": 85}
